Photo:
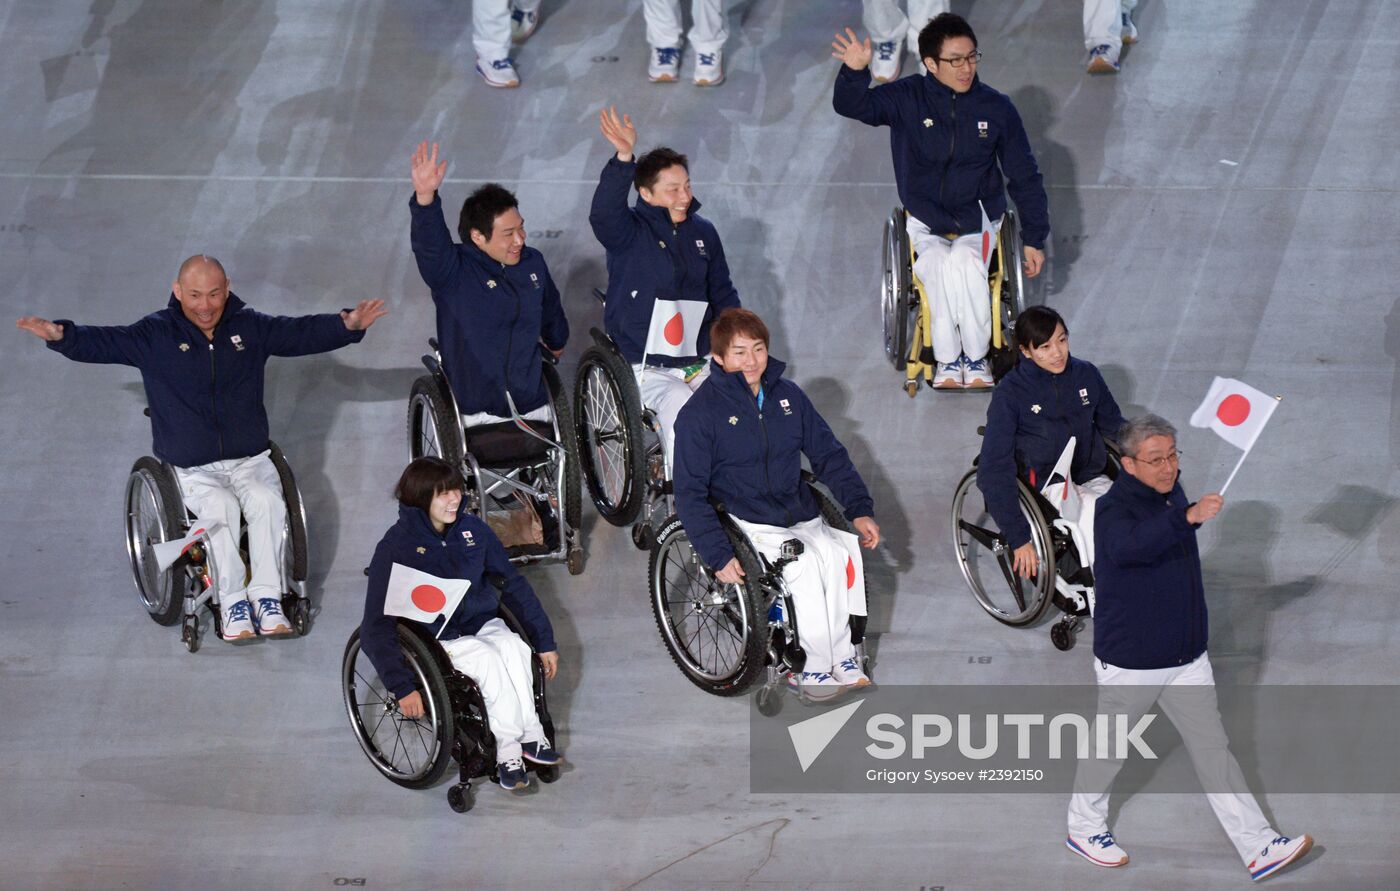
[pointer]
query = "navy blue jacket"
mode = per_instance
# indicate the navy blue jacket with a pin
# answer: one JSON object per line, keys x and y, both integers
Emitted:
{"x": 946, "y": 148}
{"x": 206, "y": 396}
{"x": 750, "y": 460}
{"x": 1032, "y": 415}
{"x": 467, "y": 549}
{"x": 650, "y": 259}
{"x": 1150, "y": 607}
{"x": 490, "y": 316}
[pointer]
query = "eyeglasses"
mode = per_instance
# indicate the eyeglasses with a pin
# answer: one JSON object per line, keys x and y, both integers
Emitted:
{"x": 960, "y": 61}
{"x": 1156, "y": 463}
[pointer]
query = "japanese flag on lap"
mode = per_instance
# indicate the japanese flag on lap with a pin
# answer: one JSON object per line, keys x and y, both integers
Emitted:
{"x": 675, "y": 328}
{"x": 417, "y": 595}
{"x": 167, "y": 552}
{"x": 1059, "y": 488}
{"x": 854, "y": 576}
{"x": 1235, "y": 411}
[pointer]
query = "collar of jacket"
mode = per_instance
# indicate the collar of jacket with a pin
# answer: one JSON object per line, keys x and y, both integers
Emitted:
{"x": 1141, "y": 491}
{"x": 231, "y": 308}
{"x": 489, "y": 264}
{"x": 732, "y": 383}
{"x": 1036, "y": 373}
{"x": 662, "y": 216}
{"x": 941, "y": 90}
{"x": 417, "y": 524}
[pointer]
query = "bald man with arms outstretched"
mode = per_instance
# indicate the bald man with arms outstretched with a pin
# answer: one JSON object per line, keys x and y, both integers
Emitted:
{"x": 201, "y": 360}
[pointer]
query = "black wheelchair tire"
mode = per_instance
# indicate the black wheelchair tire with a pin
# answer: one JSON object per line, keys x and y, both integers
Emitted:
{"x": 165, "y": 607}
{"x": 617, "y": 374}
{"x": 1044, "y": 586}
{"x": 426, "y": 401}
{"x": 897, "y": 298}
{"x": 296, "y": 513}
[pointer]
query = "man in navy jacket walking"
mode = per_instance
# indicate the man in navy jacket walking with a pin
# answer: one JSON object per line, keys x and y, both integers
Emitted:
{"x": 496, "y": 301}
{"x": 952, "y": 138}
{"x": 1150, "y": 648}
{"x": 201, "y": 360}
{"x": 667, "y": 276}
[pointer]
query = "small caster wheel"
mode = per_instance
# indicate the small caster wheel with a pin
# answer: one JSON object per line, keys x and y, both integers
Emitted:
{"x": 189, "y": 633}
{"x": 575, "y": 561}
{"x": 548, "y": 774}
{"x": 301, "y": 617}
{"x": 459, "y": 798}
{"x": 770, "y": 701}
{"x": 911, "y": 388}
{"x": 643, "y": 537}
{"x": 1062, "y": 635}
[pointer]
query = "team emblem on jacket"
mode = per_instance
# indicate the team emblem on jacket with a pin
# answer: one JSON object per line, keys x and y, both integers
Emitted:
{"x": 663, "y": 245}
{"x": 982, "y": 129}
{"x": 787, "y": 409}
{"x": 1036, "y": 408}
{"x": 535, "y": 280}
{"x": 490, "y": 283}
{"x": 1084, "y": 397}
{"x": 928, "y": 122}
{"x": 700, "y": 246}
{"x": 733, "y": 420}
{"x": 422, "y": 550}
{"x": 238, "y": 343}
{"x": 467, "y": 534}
{"x": 184, "y": 348}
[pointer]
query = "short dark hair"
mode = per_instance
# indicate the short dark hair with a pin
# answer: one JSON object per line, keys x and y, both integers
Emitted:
{"x": 1036, "y": 325}
{"x": 423, "y": 479}
{"x": 650, "y": 165}
{"x": 481, "y": 208}
{"x": 734, "y": 321}
{"x": 940, "y": 28}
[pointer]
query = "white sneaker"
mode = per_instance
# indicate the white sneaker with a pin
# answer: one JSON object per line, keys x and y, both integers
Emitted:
{"x": 1129, "y": 29}
{"x": 498, "y": 72}
{"x": 237, "y": 620}
{"x": 815, "y": 685}
{"x": 949, "y": 375}
{"x": 1103, "y": 59}
{"x": 1100, "y": 850}
{"x": 709, "y": 69}
{"x": 664, "y": 66}
{"x": 976, "y": 374}
{"x": 267, "y": 612}
{"x": 523, "y": 23}
{"x": 848, "y": 674}
{"x": 1277, "y": 854}
{"x": 884, "y": 67}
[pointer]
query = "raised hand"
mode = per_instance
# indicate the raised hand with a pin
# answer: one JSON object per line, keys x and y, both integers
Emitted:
{"x": 365, "y": 313}
{"x": 619, "y": 131}
{"x": 40, "y": 328}
{"x": 428, "y": 173}
{"x": 854, "y": 54}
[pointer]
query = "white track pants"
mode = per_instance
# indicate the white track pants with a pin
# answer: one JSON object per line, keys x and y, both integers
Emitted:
{"x": 1196, "y": 716}
{"x": 956, "y": 284}
{"x": 481, "y": 418}
{"x": 665, "y": 391}
{"x": 708, "y": 31}
{"x": 499, "y": 661}
{"x": 886, "y": 23}
{"x": 1103, "y": 23}
{"x": 817, "y": 583}
{"x": 491, "y": 26}
{"x": 232, "y": 491}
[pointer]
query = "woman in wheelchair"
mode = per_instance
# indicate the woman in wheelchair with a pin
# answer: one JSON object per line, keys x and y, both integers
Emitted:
{"x": 417, "y": 561}
{"x": 1049, "y": 397}
{"x": 739, "y": 443}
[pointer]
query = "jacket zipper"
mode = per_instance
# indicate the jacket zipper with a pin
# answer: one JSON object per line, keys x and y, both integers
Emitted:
{"x": 952, "y": 148}
{"x": 214, "y": 400}
{"x": 767, "y": 480}
{"x": 510, "y": 335}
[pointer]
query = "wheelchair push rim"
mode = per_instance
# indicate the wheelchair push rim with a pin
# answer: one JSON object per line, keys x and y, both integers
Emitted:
{"x": 412, "y": 753}
{"x": 986, "y": 561}
{"x": 148, "y": 524}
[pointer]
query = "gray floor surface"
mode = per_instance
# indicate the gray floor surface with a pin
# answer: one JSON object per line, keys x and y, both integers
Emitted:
{"x": 1226, "y": 205}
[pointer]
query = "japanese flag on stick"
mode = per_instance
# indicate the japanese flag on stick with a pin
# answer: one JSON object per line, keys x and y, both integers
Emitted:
{"x": 854, "y": 575}
{"x": 1237, "y": 413}
{"x": 675, "y": 328}
{"x": 417, "y": 595}
{"x": 167, "y": 552}
{"x": 989, "y": 238}
{"x": 1059, "y": 488}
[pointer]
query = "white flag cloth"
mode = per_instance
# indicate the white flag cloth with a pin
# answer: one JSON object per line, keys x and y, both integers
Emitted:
{"x": 855, "y": 571}
{"x": 167, "y": 552}
{"x": 1059, "y": 488}
{"x": 989, "y": 238}
{"x": 417, "y": 595}
{"x": 675, "y": 327}
{"x": 1235, "y": 411}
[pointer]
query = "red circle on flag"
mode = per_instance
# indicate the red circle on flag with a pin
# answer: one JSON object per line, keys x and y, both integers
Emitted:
{"x": 428, "y": 598}
{"x": 850, "y": 573}
{"x": 1233, "y": 410}
{"x": 674, "y": 331}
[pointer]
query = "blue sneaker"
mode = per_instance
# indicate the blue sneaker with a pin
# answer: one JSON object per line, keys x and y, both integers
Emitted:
{"x": 1100, "y": 850}
{"x": 976, "y": 375}
{"x": 884, "y": 67}
{"x": 1103, "y": 59}
{"x": 848, "y": 673}
{"x": 1277, "y": 854}
{"x": 949, "y": 375}
{"x": 664, "y": 66}
{"x": 498, "y": 72}
{"x": 540, "y": 753}
{"x": 270, "y": 618}
{"x": 523, "y": 23}
{"x": 236, "y": 621}
{"x": 510, "y": 774}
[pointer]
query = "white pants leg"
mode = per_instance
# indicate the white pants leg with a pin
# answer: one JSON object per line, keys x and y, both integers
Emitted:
{"x": 665, "y": 391}
{"x": 491, "y": 28}
{"x": 817, "y": 583}
{"x": 956, "y": 284}
{"x": 499, "y": 661}
{"x": 664, "y": 26}
{"x": 543, "y": 413}
{"x": 885, "y": 22}
{"x": 232, "y": 491}
{"x": 1103, "y": 23}
{"x": 1192, "y": 708}
{"x": 710, "y": 28}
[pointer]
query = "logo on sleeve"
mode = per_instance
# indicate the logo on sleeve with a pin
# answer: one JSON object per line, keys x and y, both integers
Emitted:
{"x": 700, "y": 246}
{"x": 1036, "y": 408}
{"x": 787, "y": 409}
{"x": 1083, "y": 397}
{"x": 238, "y": 343}
{"x": 467, "y": 534}
{"x": 184, "y": 348}
{"x": 981, "y": 129}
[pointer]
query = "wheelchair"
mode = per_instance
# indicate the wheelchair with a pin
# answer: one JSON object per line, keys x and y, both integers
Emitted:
{"x": 906, "y": 318}
{"x": 156, "y": 513}
{"x": 724, "y": 637}
{"x": 506, "y": 462}
{"x": 414, "y": 753}
{"x": 986, "y": 560}
{"x": 624, "y": 462}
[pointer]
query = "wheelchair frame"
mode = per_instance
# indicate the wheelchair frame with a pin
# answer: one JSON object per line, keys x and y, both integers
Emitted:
{"x": 764, "y": 593}
{"x": 906, "y": 309}
{"x": 432, "y": 396}
{"x": 155, "y": 513}
{"x": 454, "y": 712}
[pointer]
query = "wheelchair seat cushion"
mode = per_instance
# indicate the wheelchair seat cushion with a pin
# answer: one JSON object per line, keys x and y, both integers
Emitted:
{"x": 506, "y": 445}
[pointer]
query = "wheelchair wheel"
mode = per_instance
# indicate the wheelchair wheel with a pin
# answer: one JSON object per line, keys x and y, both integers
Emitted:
{"x": 986, "y": 561}
{"x": 414, "y": 754}
{"x": 297, "y": 558}
{"x": 1013, "y": 294}
{"x": 432, "y": 427}
{"x": 897, "y": 299}
{"x": 607, "y": 408}
{"x": 154, "y": 513}
{"x": 716, "y": 633}
{"x": 572, "y": 496}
